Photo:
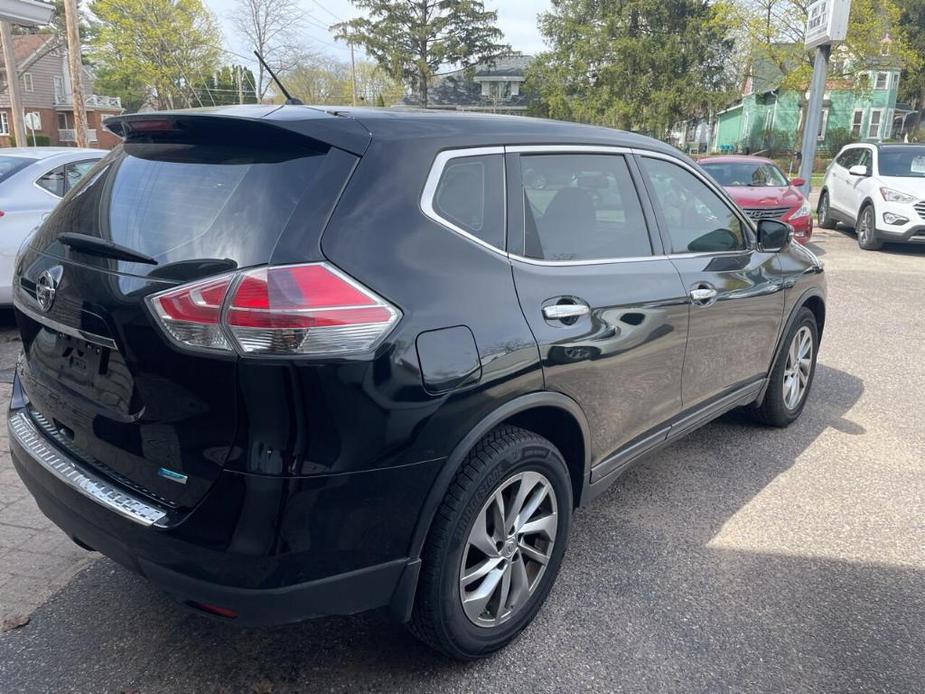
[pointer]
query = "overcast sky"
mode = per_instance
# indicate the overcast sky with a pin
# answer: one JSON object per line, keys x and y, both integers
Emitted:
{"x": 516, "y": 18}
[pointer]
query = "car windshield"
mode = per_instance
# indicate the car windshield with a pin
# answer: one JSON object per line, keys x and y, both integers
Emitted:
{"x": 907, "y": 162}
{"x": 10, "y": 165}
{"x": 745, "y": 173}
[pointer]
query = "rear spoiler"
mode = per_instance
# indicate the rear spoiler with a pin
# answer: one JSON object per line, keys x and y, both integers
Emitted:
{"x": 334, "y": 130}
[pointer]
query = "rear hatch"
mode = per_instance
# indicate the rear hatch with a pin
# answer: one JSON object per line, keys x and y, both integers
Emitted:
{"x": 182, "y": 199}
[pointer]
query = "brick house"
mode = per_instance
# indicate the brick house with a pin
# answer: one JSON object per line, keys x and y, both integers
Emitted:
{"x": 45, "y": 87}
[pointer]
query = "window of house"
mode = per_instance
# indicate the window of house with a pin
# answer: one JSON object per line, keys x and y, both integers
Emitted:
{"x": 873, "y": 129}
{"x": 698, "y": 220}
{"x": 470, "y": 196}
{"x": 53, "y": 181}
{"x": 58, "y": 83}
{"x": 882, "y": 80}
{"x": 581, "y": 207}
{"x": 4, "y": 123}
{"x": 823, "y": 124}
{"x": 27, "y": 84}
{"x": 769, "y": 119}
{"x": 856, "y": 122}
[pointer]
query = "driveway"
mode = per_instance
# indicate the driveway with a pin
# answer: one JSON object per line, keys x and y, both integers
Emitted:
{"x": 740, "y": 559}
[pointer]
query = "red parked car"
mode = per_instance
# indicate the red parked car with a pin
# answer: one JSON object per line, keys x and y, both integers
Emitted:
{"x": 763, "y": 191}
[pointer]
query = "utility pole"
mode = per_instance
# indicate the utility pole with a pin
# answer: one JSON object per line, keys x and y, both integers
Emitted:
{"x": 237, "y": 71}
{"x": 353, "y": 75}
{"x": 75, "y": 65}
{"x": 12, "y": 84}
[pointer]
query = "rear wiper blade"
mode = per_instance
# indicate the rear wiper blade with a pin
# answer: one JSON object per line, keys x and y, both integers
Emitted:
{"x": 94, "y": 245}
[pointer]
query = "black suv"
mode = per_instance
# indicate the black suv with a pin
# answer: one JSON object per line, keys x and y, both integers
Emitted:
{"x": 288, "y": 362}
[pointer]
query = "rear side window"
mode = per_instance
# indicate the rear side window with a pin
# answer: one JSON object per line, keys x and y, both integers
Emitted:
{"x": 470, "y": 195}
{"x": 581, "y": 207}
{"x": 181, "y": 202}
{"x": 53, "y": 181}
{"x": 698, "y": 220}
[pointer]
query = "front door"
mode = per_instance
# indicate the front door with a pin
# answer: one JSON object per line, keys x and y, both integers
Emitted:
{"x": 607, "y": 308}
{"x": 734, "y": 289}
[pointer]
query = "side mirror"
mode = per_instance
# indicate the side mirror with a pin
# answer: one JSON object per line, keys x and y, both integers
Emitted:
{"x": 797, "y": 182}
{"x": 773, "y": 235}
{"x": 858, "y": 170}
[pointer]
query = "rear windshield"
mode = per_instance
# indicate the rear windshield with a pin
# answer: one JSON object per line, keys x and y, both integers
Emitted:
{"x": 10, "y": 165}
{"x": 180, "y": 202}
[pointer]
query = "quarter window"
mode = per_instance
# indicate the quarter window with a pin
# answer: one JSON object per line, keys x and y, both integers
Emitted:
{"x": 697, "y": 219}
{"x": 53, "y": 181}
{"x": 76, "y": 171}
{"x": 581, "y": 207}
{"x": 470, "y": 195}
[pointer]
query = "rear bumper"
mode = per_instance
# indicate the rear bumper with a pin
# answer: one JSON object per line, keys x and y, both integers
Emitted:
{"x": 268, "y": 550}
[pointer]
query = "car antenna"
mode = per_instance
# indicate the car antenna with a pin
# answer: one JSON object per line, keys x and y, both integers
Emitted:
{"x": 289, "y": 98}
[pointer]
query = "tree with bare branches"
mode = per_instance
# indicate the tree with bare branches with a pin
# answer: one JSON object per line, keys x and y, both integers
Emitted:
{"x": 272, "y": 28}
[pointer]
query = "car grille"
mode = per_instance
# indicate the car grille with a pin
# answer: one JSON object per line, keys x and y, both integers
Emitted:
{"x": 920, "y": 208}
{"x": 766, "y": 212}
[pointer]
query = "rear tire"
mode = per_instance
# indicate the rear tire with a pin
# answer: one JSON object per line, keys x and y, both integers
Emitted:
{"x": 867, "y": 229}
{"x": 508, "y": 463}
{"x": 824, "y": 213}
{"x": 782, "y": 405}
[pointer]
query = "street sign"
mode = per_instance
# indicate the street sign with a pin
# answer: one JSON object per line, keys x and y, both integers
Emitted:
{"x": 827, "y": 22}
{"x": 33, "y": 120}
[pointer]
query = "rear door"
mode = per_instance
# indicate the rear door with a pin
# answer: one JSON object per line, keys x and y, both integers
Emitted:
{"x": 608, "y": 310}
{"x": 101, "y": 378}
{"x": 734, "y": 289}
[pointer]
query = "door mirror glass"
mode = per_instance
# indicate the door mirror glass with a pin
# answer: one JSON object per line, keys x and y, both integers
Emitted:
{"x": 797, "y": 182}
{"x": 773, "y": 235}
{"x": 858, "y": 170}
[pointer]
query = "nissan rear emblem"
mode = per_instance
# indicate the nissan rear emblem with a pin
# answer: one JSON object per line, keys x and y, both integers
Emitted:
{"x": 45, "y": 290}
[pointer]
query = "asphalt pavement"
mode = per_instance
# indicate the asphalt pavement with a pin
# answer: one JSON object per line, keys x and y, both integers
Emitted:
{"x": 741, "y": 559}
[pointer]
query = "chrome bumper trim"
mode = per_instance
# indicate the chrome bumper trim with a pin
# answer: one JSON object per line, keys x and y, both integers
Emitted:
{"x": 59, "y": 327}
{"x": 80, "y": 480}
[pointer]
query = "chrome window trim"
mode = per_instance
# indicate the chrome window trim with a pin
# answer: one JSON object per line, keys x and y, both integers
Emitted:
{"x": 442, "y": 158}
{"x": 82, "y": 481}
{"x": 430, "y": 190}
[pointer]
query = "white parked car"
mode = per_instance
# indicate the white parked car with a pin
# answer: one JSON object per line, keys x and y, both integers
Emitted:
{"x": 879, "y": 190}
{"x": 32, "y": 181}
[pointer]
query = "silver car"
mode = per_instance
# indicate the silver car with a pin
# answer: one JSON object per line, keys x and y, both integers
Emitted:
{"x": 32, "y": 181}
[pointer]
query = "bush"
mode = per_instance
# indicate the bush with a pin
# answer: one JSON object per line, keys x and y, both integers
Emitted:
{"x": 836, "y": 138}
{"x": 770, "y": 143}
{"x": 40, "y": 140}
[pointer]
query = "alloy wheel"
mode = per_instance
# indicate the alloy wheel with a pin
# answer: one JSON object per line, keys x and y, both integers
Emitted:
{"x": 508, "y": 549}
{"x": 864, "y": 225}
{"x": 798, "y": 367}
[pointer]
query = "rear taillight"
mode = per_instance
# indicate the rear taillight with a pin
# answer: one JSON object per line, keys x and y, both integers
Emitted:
{"x": 310, "y": 309}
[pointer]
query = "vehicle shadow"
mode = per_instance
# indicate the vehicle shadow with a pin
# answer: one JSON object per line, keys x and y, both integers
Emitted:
{"x": 648, "y": 600}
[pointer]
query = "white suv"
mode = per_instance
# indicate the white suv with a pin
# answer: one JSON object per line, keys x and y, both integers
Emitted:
{"x": 879, "y": 190}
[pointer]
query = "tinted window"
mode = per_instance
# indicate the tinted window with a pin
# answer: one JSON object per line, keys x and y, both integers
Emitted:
{"x": 74, "y": 172}
{"x": 756, "y": 175}
{"x": 470, "y": 195}
{"x": 581, "y": 207}
{"x": 849, "y": 157}
{"x": 10, "y": 165}
{"x": 179, "y": 202}
{"x": 698, "y": 220}
{"x": 902, "y": 161}
{"x": 53, "y": 181}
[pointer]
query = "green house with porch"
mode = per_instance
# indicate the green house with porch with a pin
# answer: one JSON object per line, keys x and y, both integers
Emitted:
{"x": 767, "y": 116}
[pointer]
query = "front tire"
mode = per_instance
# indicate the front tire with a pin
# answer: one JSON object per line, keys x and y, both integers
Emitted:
{"x": 495, "y": 545}
{"x": 867, "y": 230}
{"x": 792, "y": 376}
{"x": 824, "y": 213}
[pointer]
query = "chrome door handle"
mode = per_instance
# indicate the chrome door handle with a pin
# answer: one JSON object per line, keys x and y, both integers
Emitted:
{"x": 702, "y": 295}
{"x": 560, "y": 311}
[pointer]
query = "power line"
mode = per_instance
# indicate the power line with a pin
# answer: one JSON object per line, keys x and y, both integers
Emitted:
{"x": 315, "y": 2}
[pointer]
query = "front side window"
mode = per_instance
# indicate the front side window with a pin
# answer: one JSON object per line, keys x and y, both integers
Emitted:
{"x": 849, "y": 157}
{"x": 697, "y": 219}
{"x": 581, "y": 207}
{"x": 470, "y": 195}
